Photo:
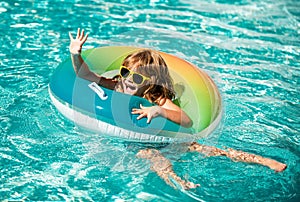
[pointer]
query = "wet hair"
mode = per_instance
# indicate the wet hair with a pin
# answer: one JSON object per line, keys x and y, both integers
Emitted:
{"x": 150, "y": 63}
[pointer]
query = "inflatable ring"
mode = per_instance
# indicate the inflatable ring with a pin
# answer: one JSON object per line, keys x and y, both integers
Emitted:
{"x": 109, "y": 113}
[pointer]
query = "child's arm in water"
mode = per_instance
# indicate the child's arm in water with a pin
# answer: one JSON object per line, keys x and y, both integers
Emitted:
{"x": 80, "y": 67}
{"x": 168, "y": 110}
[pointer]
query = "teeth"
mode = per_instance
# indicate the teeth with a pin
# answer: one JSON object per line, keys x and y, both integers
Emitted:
{"x": 130, "y": 86}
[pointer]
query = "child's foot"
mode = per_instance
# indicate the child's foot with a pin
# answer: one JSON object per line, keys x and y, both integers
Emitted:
{"x": 275, "y": 165}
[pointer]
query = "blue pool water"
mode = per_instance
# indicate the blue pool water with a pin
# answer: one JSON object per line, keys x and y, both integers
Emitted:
{"x": 250, "y": 48}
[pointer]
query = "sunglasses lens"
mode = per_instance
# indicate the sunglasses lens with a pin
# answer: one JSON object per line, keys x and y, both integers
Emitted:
{"x": 138, "y": 79}
{"x": 124, "y": 72}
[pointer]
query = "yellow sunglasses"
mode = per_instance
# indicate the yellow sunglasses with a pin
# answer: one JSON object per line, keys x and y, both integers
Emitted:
{"x": 136, "y": 77}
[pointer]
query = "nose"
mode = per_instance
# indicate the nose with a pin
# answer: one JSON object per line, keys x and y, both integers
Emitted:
{"x": 129, "y": 79}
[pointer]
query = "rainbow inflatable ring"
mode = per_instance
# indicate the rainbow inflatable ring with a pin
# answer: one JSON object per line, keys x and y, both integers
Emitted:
{"x": 109, "y": 113}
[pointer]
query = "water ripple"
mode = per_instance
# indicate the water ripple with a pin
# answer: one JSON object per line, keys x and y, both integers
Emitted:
{"x": 250, "y": 48}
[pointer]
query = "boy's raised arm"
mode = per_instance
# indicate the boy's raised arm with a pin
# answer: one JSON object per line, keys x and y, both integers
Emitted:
{"x": 80, "y": 67}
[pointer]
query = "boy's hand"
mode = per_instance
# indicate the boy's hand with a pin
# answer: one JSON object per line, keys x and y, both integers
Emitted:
{"x": 77, "y": 43}
{"x": 149, "y": 112}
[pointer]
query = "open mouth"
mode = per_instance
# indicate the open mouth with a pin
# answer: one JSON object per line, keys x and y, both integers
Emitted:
{"x": 129, "y": 87}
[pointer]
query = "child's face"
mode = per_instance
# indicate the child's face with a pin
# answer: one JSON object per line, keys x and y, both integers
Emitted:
{"x": 132, "y": 81}
{"x": 129, "y": 87}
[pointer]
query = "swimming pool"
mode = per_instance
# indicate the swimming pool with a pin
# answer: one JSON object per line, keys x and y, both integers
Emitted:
{"x": 251, "y": 50}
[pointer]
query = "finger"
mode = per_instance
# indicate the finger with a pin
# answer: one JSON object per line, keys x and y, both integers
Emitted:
{"x": 85, "y": 38}
{"x": 136, "y": 109}
{"x": 141, "y": 116}
{"x": 71, "y": 37}
{"x": 149, "y": 118}
{"x": 136, "y": 112}
{"x": 81, "y": 35}
{"x": 78, "y": 32}
{"x": 142, "y": 107}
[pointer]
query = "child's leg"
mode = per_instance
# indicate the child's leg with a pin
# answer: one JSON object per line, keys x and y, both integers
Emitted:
{"x": 238, "y": 156}
{"x": 163, "y": 167}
